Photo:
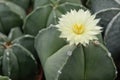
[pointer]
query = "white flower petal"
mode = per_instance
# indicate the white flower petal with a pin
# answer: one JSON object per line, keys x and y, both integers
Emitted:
{"x": 79, "y": 27}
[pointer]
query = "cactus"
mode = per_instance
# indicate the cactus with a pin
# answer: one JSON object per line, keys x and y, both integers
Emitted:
{"x": 15, "y": 33}
{"x": 11, "y": 16}
{"x": 16, "y": 57}
{"x": 46, "y": 12}
{"x": 97, "y": 5}
{"x": 106, "y": 15}
{"x": 60, "y": 60}
{"x": 108, "y": 11}
{"x": 112, "y": 36}
{"x": 4, "y": 78}
{"x": 23, "y": 3}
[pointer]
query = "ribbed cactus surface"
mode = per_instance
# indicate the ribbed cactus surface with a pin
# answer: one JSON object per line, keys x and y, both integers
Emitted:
{"x": 62, "y": 61}
{"x": 16, "y": 58}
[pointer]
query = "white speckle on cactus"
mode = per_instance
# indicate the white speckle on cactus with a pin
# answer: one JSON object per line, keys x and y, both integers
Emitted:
{"x": 8, "y": 58}
{"x": 59, "y": 72}
{"x": 7, "y": 53}
{"x": 109, "y": 54}
{"x": 51, "y": 25}
{"x": 29, "y": 36}
{"x": 69, "y": 53}
{"x": 9, "y": 73}
{"x": 96, "y": 42}
{"x": 116, "y": 72}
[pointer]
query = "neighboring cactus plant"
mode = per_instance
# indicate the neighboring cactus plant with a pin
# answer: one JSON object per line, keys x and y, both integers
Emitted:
{"x": 106, "y": 16}
{"x": 97, "y": 5}
{"x": 108, "y": 11}
{"x": 46, "y": 12}
{"x": 23, "y": 3}
{"x": 112, "y": 36}
{"x": 11, "y": 16}
{"x": 4, "y": 78}
{"x": 61, "y": 61}
{"x": 16, "y": 56}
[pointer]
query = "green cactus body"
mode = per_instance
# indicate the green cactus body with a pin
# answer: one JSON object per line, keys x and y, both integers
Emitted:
{"x": 11, "y": 16}
{"x": 23, "y": 3}
{"x": 46, "y": 12}
{"x": 62, "y": 61}
{"x": 112, "y": 36}
{"x": 106, "y": 16}
{"x": 97, "y": 5}
{"x": 16, "y": 59}
{"x": 108, "y": 11}
{"x": 4, "y": 78}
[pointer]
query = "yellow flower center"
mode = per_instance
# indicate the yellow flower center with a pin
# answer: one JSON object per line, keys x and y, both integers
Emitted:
{"x": 78, "y": 29}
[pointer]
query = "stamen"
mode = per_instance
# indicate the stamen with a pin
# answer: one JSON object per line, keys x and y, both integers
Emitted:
{"x": 78, "y": 29}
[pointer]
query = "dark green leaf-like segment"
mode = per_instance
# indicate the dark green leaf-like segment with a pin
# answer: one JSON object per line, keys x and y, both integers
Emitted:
{"x": 97, "y": 5}
{"x": 23, "y": 3}
{"x": 110, "y": 23}
{"x": 112, "y": 36}
{"x": 89, "y": 63}
{"x": 18, "y": 63}
{"x": 10, "y": 65}
{"x": 106, "y": 16}
{"x": 27, "y": 41}
{"x": 11, "y": 16}
{"x": 3, "y": 38}
{"x": 39, "y": 3}
{"x": 16, "y": 57}
{"x": 4, "y": 78}
{"x": 27, "y": 63}
{"x": 15, "y": 8}
{"x": 15, "y": 33}
{"x": 68, "y": 62}
{"x": 50, "y": 40}
{"x": 47, "y": 13}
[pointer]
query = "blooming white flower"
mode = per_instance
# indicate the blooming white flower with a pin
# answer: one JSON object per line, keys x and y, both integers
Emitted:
{"x": 79, "y": 27}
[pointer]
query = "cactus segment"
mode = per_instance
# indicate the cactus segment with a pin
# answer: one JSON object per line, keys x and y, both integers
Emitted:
{"x": 112, "y": 37}
{"x": 47, "y": 13}
{"x": 15, "y": 33}
{"x": 106, "y": 16}
{"x": 4, "y": 78}
{"x": 97, "y": 5}
{"x": 17, "y": 56}
{"x": 22, "y": 3}
{"x": 62, "y": 60}
{"x": 11, "y": 16}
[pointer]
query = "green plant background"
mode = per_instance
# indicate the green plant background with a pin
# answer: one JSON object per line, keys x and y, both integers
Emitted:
{"x": 36, "y": 49}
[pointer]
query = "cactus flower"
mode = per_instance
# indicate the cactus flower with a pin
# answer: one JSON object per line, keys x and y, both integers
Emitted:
{"x": 79, "y": 27}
